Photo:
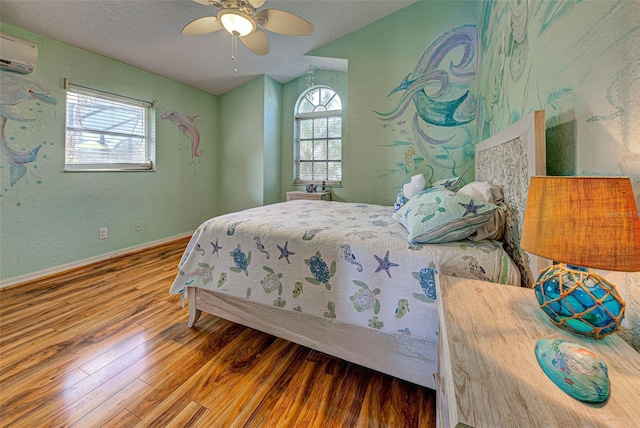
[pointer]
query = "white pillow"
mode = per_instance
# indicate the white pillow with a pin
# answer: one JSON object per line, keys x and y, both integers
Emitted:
{"x": 415, "y": 185}
{"x": 409, "y": 189}
{"x": 481, "y": 190}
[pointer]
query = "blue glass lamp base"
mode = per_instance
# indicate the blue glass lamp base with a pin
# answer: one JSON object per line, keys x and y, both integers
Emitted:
{"x": 580, "y": 300}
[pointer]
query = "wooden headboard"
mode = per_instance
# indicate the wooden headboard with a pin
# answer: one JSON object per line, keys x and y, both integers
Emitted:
{"x": 508, "y": 160}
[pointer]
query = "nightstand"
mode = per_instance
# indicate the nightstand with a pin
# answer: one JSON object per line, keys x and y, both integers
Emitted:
{"x": 310, "y": 196}
{"x": 488, "y": 374}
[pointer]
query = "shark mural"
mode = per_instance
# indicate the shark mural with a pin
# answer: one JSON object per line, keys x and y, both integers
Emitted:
{"x": 14, "y": 90}
{"x": 438, "y": 89}
{"x": 187, "y": 126}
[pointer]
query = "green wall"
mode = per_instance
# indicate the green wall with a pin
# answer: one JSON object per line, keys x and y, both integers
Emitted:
{"x": 249, "y": 161}
{"x": 241, "y": 161}
{"x": 272, "y": 140}
{"x": 50, "y": 218}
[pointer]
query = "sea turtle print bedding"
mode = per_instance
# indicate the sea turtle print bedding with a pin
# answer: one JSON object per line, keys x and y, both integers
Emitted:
{"x": 341, "y": 261}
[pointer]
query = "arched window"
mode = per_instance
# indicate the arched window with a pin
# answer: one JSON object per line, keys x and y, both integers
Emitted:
{"x": 318, "y": 137}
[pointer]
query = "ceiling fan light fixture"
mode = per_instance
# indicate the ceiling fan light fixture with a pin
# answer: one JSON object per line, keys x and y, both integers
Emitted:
{"x": 236, "y": 22}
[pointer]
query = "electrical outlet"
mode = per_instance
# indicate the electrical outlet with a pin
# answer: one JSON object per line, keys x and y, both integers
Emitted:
{"x": 103, "y": 233}
{"x": 138, "y": 226}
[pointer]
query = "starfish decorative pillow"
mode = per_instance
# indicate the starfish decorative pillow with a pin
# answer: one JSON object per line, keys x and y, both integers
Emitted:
{"x": 439, "y": 215}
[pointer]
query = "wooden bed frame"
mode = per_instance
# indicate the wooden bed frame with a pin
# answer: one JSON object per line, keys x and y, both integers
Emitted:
{"x": 507, "y": 159}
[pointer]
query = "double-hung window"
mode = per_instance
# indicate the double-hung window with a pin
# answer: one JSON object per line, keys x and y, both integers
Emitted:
{"x": 318, "y": 137}
{"x": 107, "y": 132}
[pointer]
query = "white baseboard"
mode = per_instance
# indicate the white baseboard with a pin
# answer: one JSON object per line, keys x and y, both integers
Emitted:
{"x": 68, "y": 266}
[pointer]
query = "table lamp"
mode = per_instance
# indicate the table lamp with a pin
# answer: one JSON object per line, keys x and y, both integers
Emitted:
{"x": 582, "y": 223}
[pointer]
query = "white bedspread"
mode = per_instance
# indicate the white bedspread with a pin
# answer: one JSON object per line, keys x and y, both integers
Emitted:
{"x": 339, "y": 261}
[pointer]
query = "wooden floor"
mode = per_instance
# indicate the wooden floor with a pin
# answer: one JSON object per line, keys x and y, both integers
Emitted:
{"x": 108, "y": 346}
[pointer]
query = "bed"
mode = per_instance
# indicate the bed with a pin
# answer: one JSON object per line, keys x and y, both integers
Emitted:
{"x": 343, "y": 279}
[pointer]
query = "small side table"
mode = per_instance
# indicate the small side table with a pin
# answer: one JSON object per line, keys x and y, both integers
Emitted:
{"x": 488, "y": 374}
{"x": 310, "y": 196}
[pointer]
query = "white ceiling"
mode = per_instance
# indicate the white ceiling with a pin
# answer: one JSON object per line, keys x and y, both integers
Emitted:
{"x": 146, "y": 34}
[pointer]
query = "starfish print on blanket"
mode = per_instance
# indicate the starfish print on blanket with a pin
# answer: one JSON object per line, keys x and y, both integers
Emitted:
{"x": 384, "y": 263}
{"x": 216, "y": 248}
{"x": 284, "y": 252}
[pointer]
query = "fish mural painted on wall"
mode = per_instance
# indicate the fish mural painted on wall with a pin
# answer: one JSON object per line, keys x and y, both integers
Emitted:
{"x": 187, "y": 126}
{"x": 439, "y": 90}
{"x": 14, "y": 90}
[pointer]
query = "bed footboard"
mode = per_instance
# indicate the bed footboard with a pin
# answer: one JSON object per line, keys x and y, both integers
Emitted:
{"x": 406, "y": 357}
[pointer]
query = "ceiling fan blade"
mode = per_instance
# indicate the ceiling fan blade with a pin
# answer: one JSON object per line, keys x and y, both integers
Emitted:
{"x": 204, "y": 25}
{"x": 283, "y": 22}
{"x": 209, "y": 2}
{"x": 256, "y": 42}
{"x": 254, "y": 3}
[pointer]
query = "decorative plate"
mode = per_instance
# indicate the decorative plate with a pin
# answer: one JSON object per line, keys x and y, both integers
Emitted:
{"x": 575, "y": 369}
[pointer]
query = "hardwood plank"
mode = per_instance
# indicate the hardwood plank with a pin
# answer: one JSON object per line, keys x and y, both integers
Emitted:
{"x": 106, "y": 345}
{"x": 124, "y": 419}
{"x": 104, "y": 412}
{"x": 89, "y": 393}
{"x": 191, "y": 416}
{"x": 116, "y": 351}
{"x": 238, "y": 403}
{"x": 17, "y": 404}
{"x": 290, "y": 402}
{"x": 203, "y": 384}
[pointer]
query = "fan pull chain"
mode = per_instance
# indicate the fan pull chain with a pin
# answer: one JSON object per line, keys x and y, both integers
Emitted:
{"x": 234, "y": 37}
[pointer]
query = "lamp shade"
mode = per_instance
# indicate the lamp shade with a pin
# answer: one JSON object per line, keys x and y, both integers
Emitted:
{"x": 584, "y": 221}
{"x": 236, "y": 22}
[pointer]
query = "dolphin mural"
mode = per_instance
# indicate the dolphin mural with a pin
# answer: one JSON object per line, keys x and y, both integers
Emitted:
{"x": 14, "y": 90}
{"x": 187, "y": 126}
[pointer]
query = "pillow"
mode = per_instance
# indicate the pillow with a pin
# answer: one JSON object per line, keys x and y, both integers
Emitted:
{"x": 481, "y": 190}
{"x": 439, "y": 215}
{"x": 409, "y": 189}
{"x": 452, "y": 184}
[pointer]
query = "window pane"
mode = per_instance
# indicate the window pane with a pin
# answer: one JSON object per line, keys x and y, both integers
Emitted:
{"x": 320, "y": 150}
{"x": 334, "y": 171}
{"x": 106, "y": 129}
{"x": 306, "y": 171}
{"x": 335, "y": 104}
{"x": 335, "y": 150}
{"x": 320, "y": 128}
{"x": 326, "y": 95}
{"x": 335, "y": 127}
{"x": 305, "y": 106}
{"x": 306, "y": 129}
{"x": 319, "y": 170}
{"x": 306, "y": 150}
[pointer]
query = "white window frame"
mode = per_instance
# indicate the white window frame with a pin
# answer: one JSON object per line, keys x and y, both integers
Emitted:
{"x": 299, "y": 116}
{"x": 95, "y": 98}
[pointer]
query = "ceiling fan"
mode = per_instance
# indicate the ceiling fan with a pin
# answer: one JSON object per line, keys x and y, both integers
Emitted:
{"x": 240, "y": 19}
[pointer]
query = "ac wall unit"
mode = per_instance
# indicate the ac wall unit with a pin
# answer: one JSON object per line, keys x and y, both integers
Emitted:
{"x": 17, "y": 55}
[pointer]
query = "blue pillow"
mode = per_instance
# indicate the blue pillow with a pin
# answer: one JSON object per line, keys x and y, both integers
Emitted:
{"x": 440, "y": 215}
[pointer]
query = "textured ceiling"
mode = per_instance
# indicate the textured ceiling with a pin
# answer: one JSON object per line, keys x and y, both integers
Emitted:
{"x": 146, "y": 34}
